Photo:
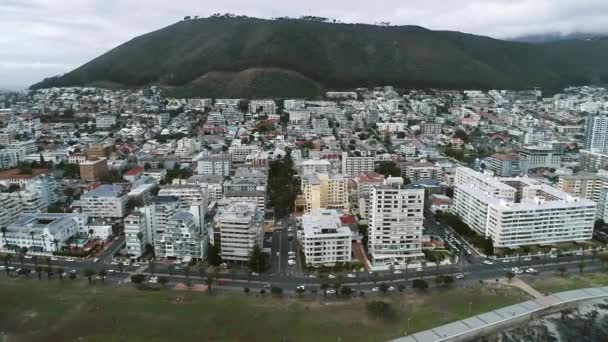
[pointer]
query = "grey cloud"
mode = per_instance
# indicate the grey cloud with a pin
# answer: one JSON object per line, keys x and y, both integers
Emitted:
{"x": 41, "y": 38}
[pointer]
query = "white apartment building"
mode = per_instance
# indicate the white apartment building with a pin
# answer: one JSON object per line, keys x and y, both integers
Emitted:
{"x": 188, "y": 194}
{"x": 186, "y": 147}
{"x": 584, "y": 185}
{"x": 528, "y": 213}
{"x": 354, "y": 166}
{"x": 217, "y": 164}
{"x": 10, "y": 158}
{"x": 262, "y": 106}
{"x": 32, "y": 202}
{"x": 182, "y": 238}
{"x": 596, "y": 133}
{"x": 325, "y": 191}
{"x": 542, "y": 156}
{"x": 240, "y": 229}
{"x": 10, "y": 209}
{"x": 105, "y": 121}
{"x": 135, "y": 223}
{"x": 395, "y": 224}
{"x": 211, "y": 184}
{"x": 324, "y": 240}
{"x": 239, "y": 153}
{"x": 294, "y": 104}
{"x": 47, "y": 187}
{"x": 106, "y": 201}
{"x": 315, "y": 166}
{"x": 157, "y": 215}
{"x": 46, "y": 229}
{"x": 299, "y": 117}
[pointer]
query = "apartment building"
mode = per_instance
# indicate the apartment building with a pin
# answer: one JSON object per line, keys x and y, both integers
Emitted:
{"x": 187, "y": 194}
{"x": 596, "y": 133}
{"x": 10, "y": 158}
{"x": 135, "y": 224}
{"x": 98, "y": 151}
{"x": 507, "y": 164}
{"x": 542, "y": 156}
{"x": 240, "y": 230}
{"x": 592, "y": 161}
{"x": 324, "y": 240}
{"x": 39, "y": 231}
{"x": 157, "y": 214}
{"x": 325, "y": 191}
{"x": 211, "y": 184}
{"x": 92, "y": 170}
{"x": 395, "y": 224}
{"x": 314, "y": 166}
{"x": 182, "y": 238}
{"x": 10, "y": 209}
{"x": 239, "y": 153}
{"x": 423, "y": 169}
{"x": 105, "y": 121}
{"x": 266, "y": 107}
{"x": 107, "y": 201}
{"x": 584, "y": 185}
{"x": 215, "y": 164}
{"x": 526, "y": 213}
{"x": 354, "y": 166}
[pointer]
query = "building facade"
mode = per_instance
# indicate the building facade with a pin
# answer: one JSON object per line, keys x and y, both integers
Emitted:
{"x": 324, "y": 240}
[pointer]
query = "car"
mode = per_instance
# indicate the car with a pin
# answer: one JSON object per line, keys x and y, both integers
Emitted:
{"x": 221, "y": 283}
{"x": 19, "y": 270}
{"x": 579, "y": 253}
{"x": 255, "y": 274}
{"x": 391, "y": 288}
{"x": 115, "y": 263}
{"x": 350, "y": 275}
{"x": 504, "y": 261}
{"x": 153, "y": 280}
{"x": 459, "y": 276}
{"x": 375, "y": 289}
{"x": 528, "y": 259}
{"x": 291, "y": 253}
{"x": 552, "y": 256}
{"x": 488, "y": 262}
{"x": 136, "y": 264}
{"x": 111, "y": 271}
{"x": 397, "y": 272}
{"x": 513, "y": 269}
{"x": 177, "y": 268}
{"x": 292, "y": 257}
{"x": 291, "y": 262}
{"x": 301, "y": 287}
{"x": 54, "y": 259}
{"x": 224, "y": 265}
{"x": 64, "y": 274}
{"x": 96, "y": 260}
{"x": 73, "y": 271}
{"x": 28, "y": 256}
{"x": 531, "y": 270}
{"x": 267, "y": 285}
{"x": 2, "y": 268}
{"x": 69, "y": 259}
{"x": 11, "y": 268}
{"x": 331, "y": 276}
{"x": 419, "y": 269}
{"x": 331, "y": 291}
{"x": 312, "y": 276}
{"x": 98, "y": 277}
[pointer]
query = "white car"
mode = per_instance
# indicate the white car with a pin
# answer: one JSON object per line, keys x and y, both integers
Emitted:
{"x": 291, "y": 262}
{"x": 28, "y": 256}
{"x": 331, "y": 276}
{"x": 126, "y": 263}
{"x": 504, "y": 261}
{"x": 528, "y": 259}
{"x": 375, "y": 289}
{"x": 350, "y": 275}
{"x": 114, "y": 263}
{"x": 255, "y": 274}
{"x": 301, "y": 287}
{"x": 69, "y": 259}
{"x": 153, "y": 280}
{"x": 397, "y": 272}
{"x": 579, "y": 253}
{"x": 459, "y": 276}
{"x": 419, "y": 269}
{"x": 553, "y": 256}
{"x": 54, "y": 259}
{"x": 96, "y": 260}
{"x": 531, "y": 270}
{"x": 312, "y": 276}
{"x": 331, "y": 291}
{"x": 136, "y": 265}
{"x": 488, "y": 262}
{"x": 291, "y": 253}
{"x": 391, "y": 288}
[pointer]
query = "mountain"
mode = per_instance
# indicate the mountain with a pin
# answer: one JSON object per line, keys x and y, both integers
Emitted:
{"x": 256, "y": 58}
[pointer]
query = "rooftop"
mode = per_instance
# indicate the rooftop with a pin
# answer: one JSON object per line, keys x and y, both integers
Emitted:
{"x": 105, "y": 190}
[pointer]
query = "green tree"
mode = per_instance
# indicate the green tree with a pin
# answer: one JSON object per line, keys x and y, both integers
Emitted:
{"x": 89, "y": 273}
{"x": 346, "y": 291}
{"x": 138, "y": 279}
{"x": 562, "y": 270}
{"x": 214, "y": 255}
{"x": 383, "y": 288}
{"x": 581, "y": 266}
{"x": 275, "y": 290}
{"x": 39, "y": 272}
{"x": 510, "y": 275}
{"x": 209, "y": 281}
{"x": 163, "y": 281}
{"x": 381, "y": 310}
{"x": 388, "y": 168}
{"x": 258, "y": 260}
{"x": 420, "y": 284}
{"x": 103, "y": 274}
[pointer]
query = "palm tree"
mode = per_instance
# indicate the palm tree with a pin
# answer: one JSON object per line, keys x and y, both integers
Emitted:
{"x": 49, "y": 273}
{"x": 56, "y": 243}
{"x": 187, "y": 272}
{"x": 140, "y": 237}
{"x": 4, "y": 230}
{"x": 48, "y": 261}
{"x": 32, "y": 235}
{"x": 89, "y": 273}
{"x": 121, "y": 267}
{"x": 171, "y": 268}
{"x": 103, "y": 274}
{"x": 209, "y": 281}
{"x": 91, "y": 232}
{"x": 21, "y": 257}
{"x": 39, "y": 271}
{"x": 163, "y": 280}
{"x": 35, "y": 260}
{"x": 581, "y": 266}
{"x": 152, "y": 266}
{"x": 60, "y": 271}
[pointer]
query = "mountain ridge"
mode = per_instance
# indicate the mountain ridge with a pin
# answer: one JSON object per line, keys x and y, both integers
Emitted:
{"x": 337, "y": 56}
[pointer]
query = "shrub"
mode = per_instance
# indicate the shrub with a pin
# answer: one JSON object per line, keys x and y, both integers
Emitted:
{"x": 381, "y": 310}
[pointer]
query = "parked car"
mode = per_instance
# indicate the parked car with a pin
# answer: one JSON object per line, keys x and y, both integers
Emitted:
{"x": 459, "y": 276}
{"x": 330, "y": 291}
{"x": 96, "y": 260}
{"x": 54, "y": 259}
{"x": 69, "y": 259}
{"x": 224, "y": 265}
{"x": 488, "y": 262}
{"x": 397, "y": 272}
{"x": 331, "y": 276}
{"x": 350, "y": 275}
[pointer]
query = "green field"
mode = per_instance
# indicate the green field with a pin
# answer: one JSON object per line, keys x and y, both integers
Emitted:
{"x": 570, "y": 281}
{"x": 42, "y": 310}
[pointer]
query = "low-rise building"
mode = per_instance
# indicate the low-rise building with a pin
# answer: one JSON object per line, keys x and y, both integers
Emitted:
{"x": 92, "y": 170}
{"x": 107, "y": 201}
{"x": 507, "y": 164}
{"x": 324, "y": 240}
{"x": 41, "y": 232}
{"x": 325, "y": 191}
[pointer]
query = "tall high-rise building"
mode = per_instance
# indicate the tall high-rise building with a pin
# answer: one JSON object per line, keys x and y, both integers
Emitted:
{"x": 395, "y": 224}
{"x": 596, "y": 133}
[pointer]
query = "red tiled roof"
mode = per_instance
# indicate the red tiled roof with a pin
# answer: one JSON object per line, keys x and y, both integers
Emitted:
{"x": 349, "y": 219}
{"x": 14, "y": 174}
{"x": 135, "y": 170}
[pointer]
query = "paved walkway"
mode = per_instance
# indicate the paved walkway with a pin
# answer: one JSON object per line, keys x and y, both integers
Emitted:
{"x": 468, "y": 328}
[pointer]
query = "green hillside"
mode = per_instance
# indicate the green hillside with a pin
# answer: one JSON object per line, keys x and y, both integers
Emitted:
{"x": 216, "y": 56}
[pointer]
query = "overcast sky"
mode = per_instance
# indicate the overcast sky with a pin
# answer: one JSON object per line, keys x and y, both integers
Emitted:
{"x": 41, "y": 38}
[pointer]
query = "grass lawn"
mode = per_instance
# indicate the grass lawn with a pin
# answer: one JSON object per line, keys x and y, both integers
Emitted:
{"x": 570, "y": 281}
{"x": 35, "y": 310}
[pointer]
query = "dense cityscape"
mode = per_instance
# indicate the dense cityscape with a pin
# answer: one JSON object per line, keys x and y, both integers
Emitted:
{"x": 357, "y": 193}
